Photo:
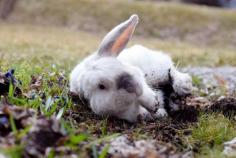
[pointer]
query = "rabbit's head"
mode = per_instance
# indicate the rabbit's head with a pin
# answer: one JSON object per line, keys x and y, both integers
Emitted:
{"x": 109, "y": 85}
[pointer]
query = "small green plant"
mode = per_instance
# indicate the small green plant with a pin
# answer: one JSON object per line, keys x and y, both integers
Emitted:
{"x": 211, "y": 132}
{"x": 196, "y": 81}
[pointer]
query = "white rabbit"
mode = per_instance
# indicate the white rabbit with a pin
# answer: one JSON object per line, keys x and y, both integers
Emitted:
{"x": 120, "y": 82}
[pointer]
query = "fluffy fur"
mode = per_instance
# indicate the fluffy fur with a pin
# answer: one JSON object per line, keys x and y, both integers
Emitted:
{"x": 120, "y": 82}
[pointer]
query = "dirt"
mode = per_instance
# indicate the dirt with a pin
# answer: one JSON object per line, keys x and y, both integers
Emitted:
{"x": 168, "y": 136}
{"x": 225, "y": 105}
{"x": 184, "y": 109}
{"x": 43, "y": 134}
{"x": 21, "y": 116}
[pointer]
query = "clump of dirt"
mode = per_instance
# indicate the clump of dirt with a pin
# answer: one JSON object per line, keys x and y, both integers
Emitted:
{"x": 44, "y": 133}
{"x": 225, "y": 105}
{"x": 183, "y": 109}
{"x": 5, "y": 80}
{"x": 186, "y": 109}
{"x": 77, "y": 99}
{"x": 168, "y": 132}
{"x": 21, "y": 117}
{"x": 188, "y": 114}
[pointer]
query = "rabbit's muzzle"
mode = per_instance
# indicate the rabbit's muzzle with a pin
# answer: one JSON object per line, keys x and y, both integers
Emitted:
{"x": 127, "y": 82}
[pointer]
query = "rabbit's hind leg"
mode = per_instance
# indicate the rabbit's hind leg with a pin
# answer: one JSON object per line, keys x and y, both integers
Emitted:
{"x": 181, "y": 82}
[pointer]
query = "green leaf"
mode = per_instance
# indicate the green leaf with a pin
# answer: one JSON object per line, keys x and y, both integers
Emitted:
{"x": 104, "y": 152}
{"x": 11, "y": 90}
{"x": 95, "y": 152}
{"x": 13, "y": 124}
{"x": 49, "y": 103}
{"x": 76, "y": 139}
{"x": 60, "y": 113}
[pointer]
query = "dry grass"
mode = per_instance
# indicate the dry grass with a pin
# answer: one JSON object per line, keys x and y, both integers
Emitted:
{"x": 198, "y": 25}
{"x": 33, "y": 44}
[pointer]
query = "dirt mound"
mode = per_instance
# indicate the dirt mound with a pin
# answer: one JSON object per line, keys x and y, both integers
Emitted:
{"x": 44, "y": 133}
{"x": 226, "y": 105}
{"x": 20, "y": 116}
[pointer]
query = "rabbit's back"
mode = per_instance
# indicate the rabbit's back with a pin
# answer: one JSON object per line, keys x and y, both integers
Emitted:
{"x": 154, "y": 64}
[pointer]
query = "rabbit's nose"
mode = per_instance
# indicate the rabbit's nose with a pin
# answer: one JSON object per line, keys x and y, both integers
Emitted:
{"x": 126, "y": 81}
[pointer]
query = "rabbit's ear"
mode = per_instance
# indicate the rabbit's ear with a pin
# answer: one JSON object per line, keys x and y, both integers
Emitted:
{"x": 116, "y": 40}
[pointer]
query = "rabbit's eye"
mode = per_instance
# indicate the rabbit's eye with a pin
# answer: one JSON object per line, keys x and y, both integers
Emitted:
{"x": 101, "y": 86}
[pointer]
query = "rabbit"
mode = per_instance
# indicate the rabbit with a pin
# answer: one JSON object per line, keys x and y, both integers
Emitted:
{"x": 119, "y": 82}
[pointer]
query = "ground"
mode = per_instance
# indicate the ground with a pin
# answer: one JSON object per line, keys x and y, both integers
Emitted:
{"x": 43, "y": 45}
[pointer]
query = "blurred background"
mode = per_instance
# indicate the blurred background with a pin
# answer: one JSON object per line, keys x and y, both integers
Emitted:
{"x": 7, "y": 6}
{"x": 196, "y": 32}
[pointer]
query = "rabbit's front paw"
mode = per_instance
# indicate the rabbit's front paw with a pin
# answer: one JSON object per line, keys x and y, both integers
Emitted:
{"x": 151, "y": 100}
{"x": 161, "y": 112}
{"x": 182, "y": 84}
{"x": 159, "y": 100}
{"x": 148, "y": 100}
{"x": 144, "y": 114}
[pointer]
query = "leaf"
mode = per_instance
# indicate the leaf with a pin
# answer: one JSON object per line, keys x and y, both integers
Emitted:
{"x": 95, "y": 152}
{"x": 76, "y": 139}
{"x": 104, "y": 152}
{"x": 13, "y": 124}
{"x": 49, "y": 103}
{"x": 11, "y": 90}
{"x": 104, "y": 127}
{"x": 60, "y": 113}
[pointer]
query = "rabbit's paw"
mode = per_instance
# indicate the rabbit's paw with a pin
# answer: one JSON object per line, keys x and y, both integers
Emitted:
{"x": 148, "y": 100}
{"x": 144, "y": 114}
{"x": 182, "y": 84}
{"x": 161, "y": 113}
{"x": 159, "y": 99}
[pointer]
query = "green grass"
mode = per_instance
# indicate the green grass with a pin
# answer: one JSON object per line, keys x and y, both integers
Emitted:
{"x": 210, "y": 133}
{"x": 48, "y": 51}
{"x": 40, "y": 45}
{"x": 33, "y": 44}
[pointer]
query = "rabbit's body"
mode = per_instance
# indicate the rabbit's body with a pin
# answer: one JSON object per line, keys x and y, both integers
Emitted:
{"x": 154, "y": 64}
{"x": 119, "y": 82}
{"x": 157, "y": 67}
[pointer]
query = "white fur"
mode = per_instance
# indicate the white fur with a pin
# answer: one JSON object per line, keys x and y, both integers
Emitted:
{"x": 147, "y": 68}
{"x": 154, "y": 64}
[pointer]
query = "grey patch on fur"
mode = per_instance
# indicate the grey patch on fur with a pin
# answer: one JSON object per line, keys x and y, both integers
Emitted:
{"x": 125, "y": 81}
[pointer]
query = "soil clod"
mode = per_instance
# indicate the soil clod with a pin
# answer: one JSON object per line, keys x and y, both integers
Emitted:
{"x": 44, "y": 133}
{"x": 226, "y": 105}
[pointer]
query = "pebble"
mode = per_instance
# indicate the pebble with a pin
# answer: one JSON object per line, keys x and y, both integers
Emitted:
{"x": 230, "y": 148}
{"x": 215, "y": 77}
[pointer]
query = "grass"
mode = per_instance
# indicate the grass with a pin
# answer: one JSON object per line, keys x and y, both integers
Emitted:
{"x": 211, "y": 132}
{"x": 158, "y": 20}
{"x": 33, "y": 44}
{"x": 25, "y": 41}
